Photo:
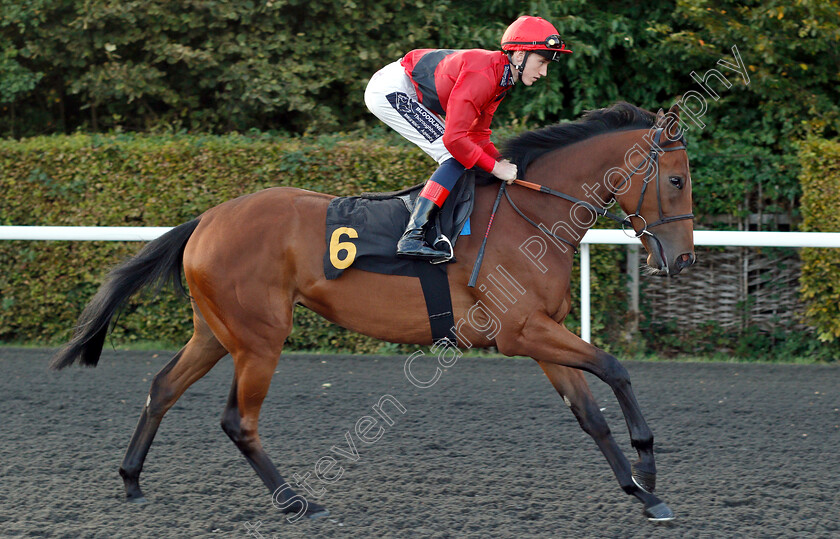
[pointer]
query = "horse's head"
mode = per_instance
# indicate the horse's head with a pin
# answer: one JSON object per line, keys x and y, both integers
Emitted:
{"x": 657, "y": 198}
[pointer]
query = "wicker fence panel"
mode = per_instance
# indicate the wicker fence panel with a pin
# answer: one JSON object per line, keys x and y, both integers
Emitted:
{"x": 734, "y": 287}
{"x": 773, "y": 289}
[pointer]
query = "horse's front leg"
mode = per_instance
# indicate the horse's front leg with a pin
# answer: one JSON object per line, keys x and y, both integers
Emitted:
{"x": 543, "y": 339}
{"x": 571, "y": 385}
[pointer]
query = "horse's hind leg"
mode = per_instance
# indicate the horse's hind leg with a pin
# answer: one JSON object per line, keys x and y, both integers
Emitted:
{"x": 572, "y": 386}
{"x": 240, "y": 421}
{"x": 199, "y": 355}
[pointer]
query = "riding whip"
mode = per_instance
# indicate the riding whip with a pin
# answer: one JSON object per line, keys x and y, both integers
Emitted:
{"x": 480, "y": 256}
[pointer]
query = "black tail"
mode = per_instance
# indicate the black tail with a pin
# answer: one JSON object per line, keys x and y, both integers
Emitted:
{"x": 158, "y": 262}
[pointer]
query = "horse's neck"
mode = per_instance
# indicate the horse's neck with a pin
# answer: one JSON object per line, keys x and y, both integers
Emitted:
{"x": 582, "y": 170}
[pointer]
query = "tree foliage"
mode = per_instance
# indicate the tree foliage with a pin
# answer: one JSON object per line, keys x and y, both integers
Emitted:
{"x": 207, "y": 65}
{"x": 300, "y": 67}
{"x": 821, "y": 267}
{"x": 747, "y": 154}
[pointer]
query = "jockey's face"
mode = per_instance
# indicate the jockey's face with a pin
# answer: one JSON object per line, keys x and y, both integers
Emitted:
{"x": 535, "y": 67}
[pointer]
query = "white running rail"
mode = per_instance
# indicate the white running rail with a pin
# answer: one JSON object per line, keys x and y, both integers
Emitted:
{"x": 613, "y": 237}
{"x": 701, "y": 237}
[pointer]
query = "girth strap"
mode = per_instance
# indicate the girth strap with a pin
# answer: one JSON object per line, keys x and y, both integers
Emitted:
{"x": 435, "y": 285}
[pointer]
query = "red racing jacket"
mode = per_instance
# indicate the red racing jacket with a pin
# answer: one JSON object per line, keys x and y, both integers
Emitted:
{"x": 466, "y": 87}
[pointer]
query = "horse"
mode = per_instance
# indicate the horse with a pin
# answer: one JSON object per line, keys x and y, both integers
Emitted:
{"x": 243, "y": 287}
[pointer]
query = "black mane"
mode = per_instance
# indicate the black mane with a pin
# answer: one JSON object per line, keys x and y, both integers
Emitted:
{"x": 525, "y": 148}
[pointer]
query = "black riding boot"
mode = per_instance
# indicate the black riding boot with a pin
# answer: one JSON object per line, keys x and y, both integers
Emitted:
{"x": 413, "y": 243}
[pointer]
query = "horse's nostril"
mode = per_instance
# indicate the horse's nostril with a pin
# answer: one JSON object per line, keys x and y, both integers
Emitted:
{"x": 685, "y": 260}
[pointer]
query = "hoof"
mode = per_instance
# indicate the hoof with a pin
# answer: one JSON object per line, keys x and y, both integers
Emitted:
{"x": 137, "y": 500}
{"x": 644, "y": 480}
{"x": 319, "y": 514}
{"x": 659, "y": 513}
{"x": 314, "y": 511}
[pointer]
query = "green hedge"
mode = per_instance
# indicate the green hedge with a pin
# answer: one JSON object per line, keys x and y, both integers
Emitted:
{"x": 820, "y": 180}
{"x": 123, "y": 180}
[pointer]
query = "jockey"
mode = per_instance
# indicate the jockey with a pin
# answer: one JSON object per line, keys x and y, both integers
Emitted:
{"x": 412, "y": 95}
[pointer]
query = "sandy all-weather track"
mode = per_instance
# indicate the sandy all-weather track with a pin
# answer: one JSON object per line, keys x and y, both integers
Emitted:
{"x": 489, "y": 450}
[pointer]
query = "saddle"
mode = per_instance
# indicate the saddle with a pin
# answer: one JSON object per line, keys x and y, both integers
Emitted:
{"x": 362, "y": 231}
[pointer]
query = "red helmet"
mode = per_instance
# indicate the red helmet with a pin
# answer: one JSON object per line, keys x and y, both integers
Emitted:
{"x": 534, "y": 34}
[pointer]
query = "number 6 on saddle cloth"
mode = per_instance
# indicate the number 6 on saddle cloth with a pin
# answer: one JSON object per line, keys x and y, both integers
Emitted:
{"x": 362, "y": 232}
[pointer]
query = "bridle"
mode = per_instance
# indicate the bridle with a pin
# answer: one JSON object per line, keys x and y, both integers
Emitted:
{"x": 653, "y": 169}
{"x": 652, "y": 162}
{"x": 652, "y": 172}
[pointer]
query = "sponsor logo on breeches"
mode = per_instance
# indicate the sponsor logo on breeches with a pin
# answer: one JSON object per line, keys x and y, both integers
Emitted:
{"x": 420, "y": 119}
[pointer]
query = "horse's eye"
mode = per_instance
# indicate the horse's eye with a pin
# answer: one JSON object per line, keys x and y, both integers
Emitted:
{"x": 676, "y": 181}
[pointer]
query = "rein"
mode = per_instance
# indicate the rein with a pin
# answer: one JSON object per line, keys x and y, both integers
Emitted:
{"x": 543, "y": 189}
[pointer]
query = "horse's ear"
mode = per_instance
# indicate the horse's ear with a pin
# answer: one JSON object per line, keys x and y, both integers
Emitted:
{"x": 667, "y": 120}
{"x": 675, "y": 109}
{"x": 670, "y": 121}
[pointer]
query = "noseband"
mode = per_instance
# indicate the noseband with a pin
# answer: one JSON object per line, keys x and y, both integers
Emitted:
{"x": 652, "y": 172}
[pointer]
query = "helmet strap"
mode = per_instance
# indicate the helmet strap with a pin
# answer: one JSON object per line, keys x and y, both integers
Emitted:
{"x": 521, "y": 67}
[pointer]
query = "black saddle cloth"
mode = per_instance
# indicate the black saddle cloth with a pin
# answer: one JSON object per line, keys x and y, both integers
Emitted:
{"x": 362, "y": 231}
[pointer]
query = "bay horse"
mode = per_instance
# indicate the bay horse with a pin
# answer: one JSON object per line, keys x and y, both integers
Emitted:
{"x": 244, "y": 287}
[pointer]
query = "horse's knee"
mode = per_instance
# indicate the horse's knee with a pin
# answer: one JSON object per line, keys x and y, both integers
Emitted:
{"x": 613, "y": 372}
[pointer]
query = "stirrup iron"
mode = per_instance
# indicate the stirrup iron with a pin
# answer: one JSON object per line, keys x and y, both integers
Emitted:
{"x": 443, "y": 239}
